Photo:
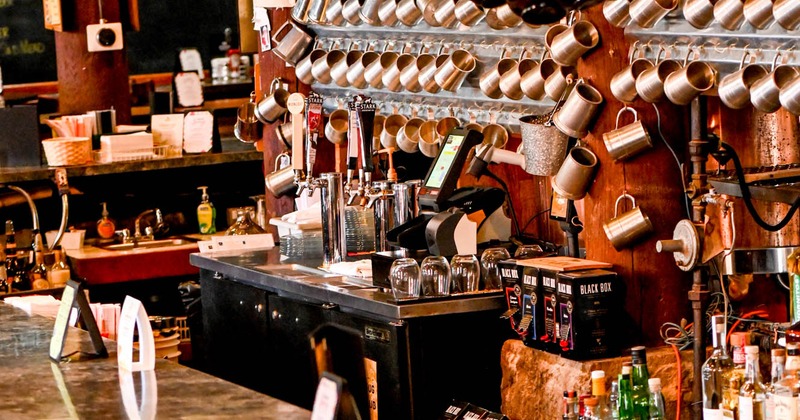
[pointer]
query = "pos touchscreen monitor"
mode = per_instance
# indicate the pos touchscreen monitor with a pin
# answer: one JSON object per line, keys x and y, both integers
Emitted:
{"x": 443, "y": 174}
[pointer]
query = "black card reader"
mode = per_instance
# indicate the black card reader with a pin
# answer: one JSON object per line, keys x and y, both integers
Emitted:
{"x": 443, "y": 174}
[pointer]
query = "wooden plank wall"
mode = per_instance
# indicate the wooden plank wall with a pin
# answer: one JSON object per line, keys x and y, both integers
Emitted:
{"x": 656, "y": 290}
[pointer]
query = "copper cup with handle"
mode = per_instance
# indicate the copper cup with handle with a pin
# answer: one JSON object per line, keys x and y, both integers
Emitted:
{"x": 627, "y": 228}
{"x": 734, "y": 89}
{"x": 627, "y": 141}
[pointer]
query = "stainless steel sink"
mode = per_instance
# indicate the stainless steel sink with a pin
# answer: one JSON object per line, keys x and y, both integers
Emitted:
{"x": 160, "y": 243}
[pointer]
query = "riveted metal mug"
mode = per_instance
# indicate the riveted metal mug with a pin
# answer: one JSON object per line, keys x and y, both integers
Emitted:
{"x": 274, "y": 105}
{"x": 281, "y": 180}
{"x": 630, "y": 140}
{"x": 627, "y": 228}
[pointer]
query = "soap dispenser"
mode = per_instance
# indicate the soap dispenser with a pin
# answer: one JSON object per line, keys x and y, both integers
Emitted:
{"x": 105, "y": 226}
{"x": 206, "y": 213}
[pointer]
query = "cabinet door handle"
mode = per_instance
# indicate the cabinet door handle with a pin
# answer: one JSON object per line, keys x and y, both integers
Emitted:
{"x": 329, "y": 306}
{"x": 217, "y": 276}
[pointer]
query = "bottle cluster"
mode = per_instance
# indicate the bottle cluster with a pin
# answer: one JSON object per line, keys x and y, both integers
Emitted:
{"x": 733, "y": 387}
{"x": 25, "y": 269}
{"x": 633, "y": 394}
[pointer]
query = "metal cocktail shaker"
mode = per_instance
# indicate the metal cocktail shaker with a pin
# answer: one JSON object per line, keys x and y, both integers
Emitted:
{"x": 334, "y": 245}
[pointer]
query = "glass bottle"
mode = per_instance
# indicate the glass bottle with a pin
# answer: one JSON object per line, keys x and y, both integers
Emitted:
{"x": 639, "y": 379}
{"x": 716, "y": 370}
{"x": 38, "y": 273}
{"x": 244, "y": 224}
{"x": 59, "y": 272}
{"x": 4, "y": 284}
{"x": 785, "y": 391}
{"x": 752, "y": 393}
{"x": 603, "y": 410}
{"x": 730, "y": 390}
{"x": 613, "y": 399}
{"x": 778, "y": 358}
{"x": 655, "y": 409}
{"x": 21, "y": 280}
{"x": 11, "y": 240}
{"x": 626, "y": 411}
{"x": 570, "y": 402}
{"x": 591, "y": 409}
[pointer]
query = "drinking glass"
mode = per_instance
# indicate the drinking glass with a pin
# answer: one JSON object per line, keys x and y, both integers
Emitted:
{"x": 465, "y": 273}
{"x": 489, "y": 268}
{"x": 528, "y": 251}
{"x": 435, "y": 276}
{"x": 404, "y": 275}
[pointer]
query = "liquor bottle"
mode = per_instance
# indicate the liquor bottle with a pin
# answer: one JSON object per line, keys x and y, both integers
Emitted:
{"x": 639, "y": 384}
{"x": 603, "y": 410}
{"x": 656, "y": 404}
{"x": 4, "y": 284}
{"x": 38, "y": 273}
{"x": 591, "y": 409}
{"x": 785, "y": 391}
{"x": 778, "y": 357}
{"x": 59, "y": 272}
{"x": 21, "y": 280}
{"x": 716, "y": 370}
{"x": 752, "y": 393}
{"x": 730, "y": 390}
{"x": 613, "y": 399}
{"x": 626, "y": 411}
{"x": 570, "y": 402}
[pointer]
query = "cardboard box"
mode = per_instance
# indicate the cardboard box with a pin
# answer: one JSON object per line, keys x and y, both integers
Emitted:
{"x": 532, "y": 305}
{"x": 548, "y": 338}
{"x": 510, "y": 274}
{"x": 589, "y": 314}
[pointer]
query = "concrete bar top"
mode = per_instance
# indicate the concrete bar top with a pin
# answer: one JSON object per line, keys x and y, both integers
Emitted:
{"x": 32, "y": 386}
{"x": 264, "y": 269}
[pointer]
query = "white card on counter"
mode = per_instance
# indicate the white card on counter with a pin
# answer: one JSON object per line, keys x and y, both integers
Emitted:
{"x": 326, "y": 401}
{"x": 167, "y": 130}
{"x": 189, "y": 89}
{"x": 198, "y": 132}
{"x": 149, "y": 392}
{"x": 237, "y": 242}
{"x": 134, "y": 317}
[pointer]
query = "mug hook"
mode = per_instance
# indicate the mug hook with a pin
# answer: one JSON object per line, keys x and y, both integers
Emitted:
{"x": 775, "y": 60}
{"x": 619, "y": 199}
{"x": 745, "y": 55}
{"x": 274, "y": 85}
{"x": 629, "y": 109}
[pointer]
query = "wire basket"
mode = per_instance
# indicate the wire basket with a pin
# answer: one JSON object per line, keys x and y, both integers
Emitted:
{"x": 158, "y": 152}
{"x": 64, "y": 151}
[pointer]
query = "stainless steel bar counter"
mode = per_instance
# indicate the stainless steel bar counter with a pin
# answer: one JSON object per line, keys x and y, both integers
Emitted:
{"x": 33, "y": 387}
{"x": 259, "y": 311}
{"x": 264, "y": 269}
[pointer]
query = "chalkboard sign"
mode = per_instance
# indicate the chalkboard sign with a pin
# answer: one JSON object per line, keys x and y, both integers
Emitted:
{"x": 27, "y": 49}
{"x": 28, "y": 54}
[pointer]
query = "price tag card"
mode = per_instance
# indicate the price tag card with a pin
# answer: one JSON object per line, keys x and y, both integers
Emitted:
{"x": 198, "y": 132}
{"x": 134, "y": 317}
{"x": 52, "y": 15}
{"x": 326, "y": 401}
{"x": 73, "y": 297}
{"x": 189, "y": 89}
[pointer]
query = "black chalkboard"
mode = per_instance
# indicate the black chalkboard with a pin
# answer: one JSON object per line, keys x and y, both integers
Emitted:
{"x": 27, "y": 49}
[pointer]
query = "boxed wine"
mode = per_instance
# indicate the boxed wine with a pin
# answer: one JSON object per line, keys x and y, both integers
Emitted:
{"x": 512, "y": 289}
{"x": 532, "y": 306}
{"x": 589, "y": 313}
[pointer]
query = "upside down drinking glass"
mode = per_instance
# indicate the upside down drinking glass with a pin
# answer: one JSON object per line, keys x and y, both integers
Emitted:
{"x": 489, "y": 268}
{"x": 404, "y": 275}
{"x": 465, "y": 273}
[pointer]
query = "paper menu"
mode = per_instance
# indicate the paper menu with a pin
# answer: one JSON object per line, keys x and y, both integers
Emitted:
{"x": 198, "y": 132}
{"x": 167, "y": 131}
{"x": 189, "y": 89}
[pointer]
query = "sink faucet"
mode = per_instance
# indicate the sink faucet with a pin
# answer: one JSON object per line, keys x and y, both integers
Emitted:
{"x": 148, "y": 236}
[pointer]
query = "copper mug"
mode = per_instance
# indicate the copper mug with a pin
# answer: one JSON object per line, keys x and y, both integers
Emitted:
{"x": 650, "y": 83}
{"x": 391, "y": 76}
{"x": 496, "y": 135}
{"x": 758, "y": 13}
{"x": 408, "y": 136}
{"x": 570, "y": 45}
{"x": 765, "y": 93}
{"x": 533, "y": 82}
{"x": 623, "y": 84}
{"x": 391, "y": 129}
{"x": 387, "y": 13}
{"x": 321, "y": 69}
{"x": 489, "y": 81}
{"x": 455, "y": 70}
{"x": 281, "y": 181}
{"x": 787, "y": 13}
{"x": 336, "y": 128}
{"x": 469, "y": 13}
{"x": 557, "y": 83}
{"x": 734, "y": 89}
{"x": 408, "y": 13}
{"x": 627, "y": 228}
{"x": 630, "y": 140}
{"x": 646, "y": 13}
{"x": 511, "y": 82}
{"x": 578, "y": 111}
{"x": 576, "y": 174}
{"x": 340, "y": 68}
{"x": 729, "y": 13}
{"x": 356, "y": 73}
{"x": 428, "y": 72}
{"x": 617, "y": 12}
{"x": 284, "y": 132}
{"x": 374, "y": 72}
{"x": 410, "y": 75}
{"x": 248, "y": 128}
{"x": 790, "y": 96}
{"x": 694, "y": 78}
{"x": 274, "y": 105}
{"x": 303, "y": 68}
{"x": 429, "y": 141}
{"x": 291, "y": 42}
{"x": 699, "y": 13}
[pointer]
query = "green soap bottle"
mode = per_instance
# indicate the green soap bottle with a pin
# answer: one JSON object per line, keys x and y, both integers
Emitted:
{"x": 206, "y": 213}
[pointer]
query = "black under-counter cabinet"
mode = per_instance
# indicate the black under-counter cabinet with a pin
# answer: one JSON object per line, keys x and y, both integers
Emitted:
{"x": 258, "y": 313}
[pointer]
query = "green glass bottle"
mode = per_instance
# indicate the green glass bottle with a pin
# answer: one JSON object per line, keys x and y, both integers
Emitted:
{"x": 639, "y": 384}
{"x": 625, "y": 394}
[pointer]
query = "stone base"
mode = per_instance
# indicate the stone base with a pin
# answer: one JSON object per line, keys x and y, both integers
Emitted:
{"x": 534, "y": 381}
